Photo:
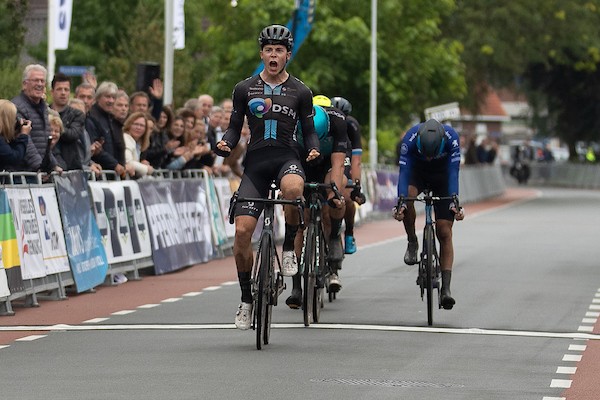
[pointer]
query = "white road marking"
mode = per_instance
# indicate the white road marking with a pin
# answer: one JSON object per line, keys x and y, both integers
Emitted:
{"x": 592, "y": 314}
{"x": 171, "y": 300}
{"x": 596, "y": 301}
{"x": 145, "y": 306}
{"x": 585, "y": 328}
{"x": 561, "y": 383}
{"x": 577, "y": 347}
{"x": 566, "y": 370}
{"x": 123, "y": 312}
{"x": 4, "y": 346}
{"x": 211, "y": 288}
{"x": 229, "y": 283}
{"x": 553, "y": 398}
{"x": 594, "y": 307}
{"x": 192, "y": 294}
{"x": 30, "y": 338}
{"x": 572, "y": 357}
{"x": 589, "y": 320}
{"x": 383, "y": 328}
{"x": 95, "y": 320}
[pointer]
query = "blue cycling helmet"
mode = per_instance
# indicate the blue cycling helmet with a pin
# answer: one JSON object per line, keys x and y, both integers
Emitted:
{"x": 321, "y": 121}
{"x": 431, "y": 138}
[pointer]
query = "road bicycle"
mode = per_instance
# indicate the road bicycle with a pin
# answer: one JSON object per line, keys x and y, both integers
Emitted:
{"x": 313, "y": 260}
{"x": 429, "y": 272}
{"x": 267, "y": 282}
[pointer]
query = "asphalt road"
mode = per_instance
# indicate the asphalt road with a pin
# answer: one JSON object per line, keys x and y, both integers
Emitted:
{"x": 525, "y": 280}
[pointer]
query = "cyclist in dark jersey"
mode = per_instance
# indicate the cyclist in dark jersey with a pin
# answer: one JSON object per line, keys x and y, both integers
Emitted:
{"x": 274, "y": 102}
{"x": 352, "y": 171}
{"x": 330, "y": 126}
{"x": 430, "y": 158}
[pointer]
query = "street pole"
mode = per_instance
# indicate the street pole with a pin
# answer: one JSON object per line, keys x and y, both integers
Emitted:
{"x": 169, "y": 53}
{"x": 373, "y": 93}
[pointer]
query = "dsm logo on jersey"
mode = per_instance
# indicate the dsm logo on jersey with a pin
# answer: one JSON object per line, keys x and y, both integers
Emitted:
{"x": 259, "y": 107}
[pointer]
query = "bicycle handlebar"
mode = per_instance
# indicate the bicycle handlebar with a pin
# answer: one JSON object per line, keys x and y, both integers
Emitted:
{"x": 298, "y": 202}
{"x": 427, "y": 198}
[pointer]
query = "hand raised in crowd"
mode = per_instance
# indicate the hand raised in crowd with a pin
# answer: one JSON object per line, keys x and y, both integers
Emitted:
{"x": 90, "y": 78}
{"x": 172, "y": 144}
{"x": 156, "y": 90}
{"x": 179, "y": 151}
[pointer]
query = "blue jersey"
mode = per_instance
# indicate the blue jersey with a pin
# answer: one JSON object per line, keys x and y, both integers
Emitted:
{"x": 448, "y": 161}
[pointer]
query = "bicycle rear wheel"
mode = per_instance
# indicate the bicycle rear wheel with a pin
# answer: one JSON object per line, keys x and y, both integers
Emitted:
{"x": 308, "y": 293}
{"x": 428, "y": 238}
{"x": 263, "y": 309}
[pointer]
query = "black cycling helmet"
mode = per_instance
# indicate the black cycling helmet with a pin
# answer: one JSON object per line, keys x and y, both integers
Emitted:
{"x": 276, "y": 34}
{"x": 341, "y": 104}
{"x": 431, "y": 138}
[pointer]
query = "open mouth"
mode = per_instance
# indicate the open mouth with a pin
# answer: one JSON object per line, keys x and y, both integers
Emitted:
{"x": 273, "y": 64}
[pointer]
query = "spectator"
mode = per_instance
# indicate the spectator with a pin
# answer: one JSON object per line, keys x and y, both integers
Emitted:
{"x": 104, "y": 129}
{"x": 86, "y": 92}
{"x": 188, "y": 117}
{"x": 227, "y": 105}
{"x": 32, "y": 106}
{"x": 57, "y": 148}
{"x": 160, "y": 144}
{"x": 206, "y": 104}
{"x": 137, "y": 140}
{"x": 72, "y": 132}
{"x": 180, "y": 155}
{"x": 194, "y": 105}
{"x": 151, "y": 104}
{"x": 14, "y": 136}
{"x": 201, "y": 149}
{"x": 471, "y": 151}
{"x": 121, "y": 106}
{"x": 87, "y": 148}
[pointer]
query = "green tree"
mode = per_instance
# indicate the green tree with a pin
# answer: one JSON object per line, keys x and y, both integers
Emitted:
{"x": 13, "y": 37}
{"x": 548, "y": 47}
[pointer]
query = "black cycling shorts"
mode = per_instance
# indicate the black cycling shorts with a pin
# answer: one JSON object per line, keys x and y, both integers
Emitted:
{"x": 261, "y": 167}
{"x": 438, "y": 183}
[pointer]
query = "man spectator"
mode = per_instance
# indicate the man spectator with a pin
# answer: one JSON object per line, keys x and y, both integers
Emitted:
{"x": 86, "y": 92}
{"x": 104, "y": 130}
{"x": 71, "y": 140}
{"x": 206, "y": 104}
{"x": 32, "y": 106}
{"x": 121, "y": 106}
{"x": 150, "y": 104}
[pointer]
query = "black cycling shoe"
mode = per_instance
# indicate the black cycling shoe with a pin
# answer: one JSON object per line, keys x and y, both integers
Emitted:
{"x": 410, "y": 257}
{"x": 446, "y": 300}
{"x": 295, "y": 300}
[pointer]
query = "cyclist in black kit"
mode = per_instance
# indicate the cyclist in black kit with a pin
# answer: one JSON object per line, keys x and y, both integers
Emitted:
{"x": 352, "y": 171}
{"x": 330, "y": 125}
{"x": 274, "y": 102}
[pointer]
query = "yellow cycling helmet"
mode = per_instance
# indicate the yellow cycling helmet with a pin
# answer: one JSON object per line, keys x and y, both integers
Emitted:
{"x": 323, "y": 101}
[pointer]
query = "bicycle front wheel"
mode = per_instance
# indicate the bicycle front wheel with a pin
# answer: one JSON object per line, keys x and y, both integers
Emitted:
{"x": 263, "y": 306}
{"x": 310, "y": 256}
{"x": 320, "y": 261}
{"x": 428, "y": 238}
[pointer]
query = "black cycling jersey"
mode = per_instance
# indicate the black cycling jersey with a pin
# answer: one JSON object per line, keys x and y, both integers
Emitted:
{"x": 355, "y": 144}
{"x": 273, "y": 113}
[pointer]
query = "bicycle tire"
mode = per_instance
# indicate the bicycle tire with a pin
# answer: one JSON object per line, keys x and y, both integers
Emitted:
{"x": 320, "y": 275}
{"x": 308, "y": 275}
{"x": 428, "y": 238}
{"x": 265, "y": 264}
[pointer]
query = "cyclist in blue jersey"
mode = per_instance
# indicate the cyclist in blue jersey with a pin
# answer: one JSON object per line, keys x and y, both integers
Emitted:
{"x": 330, "y": 126}
{"x": 430, "y": 158}
{"x": 274, "y": 102}
{"x": 352, "y": 171}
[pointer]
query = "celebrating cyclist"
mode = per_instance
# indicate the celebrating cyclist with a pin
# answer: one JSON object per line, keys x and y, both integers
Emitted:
{"x": 352, "y": 171}
{"x": 430, "y": 158}
{"x": 274, "y": 102}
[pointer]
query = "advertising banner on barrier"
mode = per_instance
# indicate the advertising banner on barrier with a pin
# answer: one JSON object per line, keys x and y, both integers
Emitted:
{"x": 52, "y": 237}
{"x": 121, "y": 220}
{"x": 385, "y": 186}
{"x": 28, "y": 233}
{"x": 84, "y": 245}
{"x": 11, "y": 263}
{"x": 179, "y": 221}
{"x": 223, "y": 192}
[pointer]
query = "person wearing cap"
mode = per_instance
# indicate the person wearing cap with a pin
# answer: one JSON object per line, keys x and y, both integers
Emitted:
{"x": 430, "y": 159}
{"x": 275, "y": 103}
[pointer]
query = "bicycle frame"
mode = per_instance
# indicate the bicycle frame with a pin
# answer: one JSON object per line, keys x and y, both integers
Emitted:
{"x": 267, "y": 282}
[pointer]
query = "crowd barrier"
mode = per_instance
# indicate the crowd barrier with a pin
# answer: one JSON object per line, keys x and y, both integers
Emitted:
{"x": 77, "y": 232}
{"x": 559, "y": 174}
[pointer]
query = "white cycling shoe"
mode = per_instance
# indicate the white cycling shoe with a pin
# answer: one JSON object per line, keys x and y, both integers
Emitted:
{"x": 289, "y": 263}
{"x": 243, "y": 316}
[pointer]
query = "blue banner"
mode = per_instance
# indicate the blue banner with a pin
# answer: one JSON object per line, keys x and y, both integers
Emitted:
{"x": 300, "y": 25}
{"x": 87, "y": 256}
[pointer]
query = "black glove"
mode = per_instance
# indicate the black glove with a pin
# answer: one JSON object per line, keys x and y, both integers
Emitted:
{"x": 357, "y": 195}
{"x": 223, "y": 153}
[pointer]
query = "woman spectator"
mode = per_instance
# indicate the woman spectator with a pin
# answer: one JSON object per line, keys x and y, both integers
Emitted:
{"x": 201, "y": 149}
{"x": 160, "y": 145}
{"x": 137, "y": 139}
{"x": 179, "y": 156}
{"x": 13, "y": 136}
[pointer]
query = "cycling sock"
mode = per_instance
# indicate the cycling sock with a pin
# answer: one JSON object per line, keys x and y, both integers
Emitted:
{"x": 290, "y": 236}
{"x": 336, "y": 224}
{"x": 296, "y": 281}
{"x": 349, "y": 229}
{"x": 446, "y": 276}
{"x": 246, "y": 286}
